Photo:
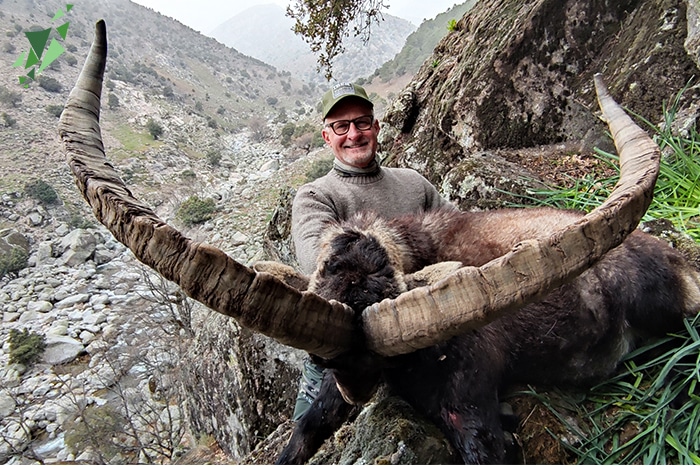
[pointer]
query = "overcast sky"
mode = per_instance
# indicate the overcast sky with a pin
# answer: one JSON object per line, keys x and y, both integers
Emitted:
{"x": 205, "y": 15}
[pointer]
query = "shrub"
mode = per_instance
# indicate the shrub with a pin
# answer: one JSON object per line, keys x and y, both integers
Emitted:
{"x": 13, "y": 261}
{"x": 287, "y": 132}
{"x": 41, "y": 191}
{"x": 319, "y": 168}
{"x": 188, "y": 175}
{"x": 99, "y": 428}
{"x": 55, "y": 110}
{"x": 8, "y": 120}
{"x": 50, "y": 84}
{"x": 9, "y": 97}
{"x": 155, "y": 128}
{"x": 112, "y": 101}
{"x": 26, "y": 347}
{"x": 196, "y": 210}
{"x": 214, "y": 157}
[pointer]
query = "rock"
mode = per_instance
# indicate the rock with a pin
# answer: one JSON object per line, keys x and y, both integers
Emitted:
{"x": 525, "y": 79}
{"x": 61, "y": 349}
{"x": 72, "y": 301}
{"x": 76, "y": 247}
{"x": 239, "y": 238}
{"x": 39, "y": 306}
{"x": 7, "y": 405}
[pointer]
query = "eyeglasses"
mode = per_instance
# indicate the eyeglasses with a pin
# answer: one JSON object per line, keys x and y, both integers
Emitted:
{"x": 341, "y": 127}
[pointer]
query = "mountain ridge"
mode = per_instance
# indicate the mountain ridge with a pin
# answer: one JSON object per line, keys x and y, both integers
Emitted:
{"x": 265, "y": 32}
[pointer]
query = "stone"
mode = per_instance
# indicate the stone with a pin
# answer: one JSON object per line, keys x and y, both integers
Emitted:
{"x": 39, "y": 306}
{"x": 61, "y": 349}
{"x": 72, "y": 301}
{"x": 77, "y": 246}
{"x": 7, "y": 405}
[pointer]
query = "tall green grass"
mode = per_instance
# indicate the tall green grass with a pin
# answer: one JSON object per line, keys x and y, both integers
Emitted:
{"x": 677, "y": 191}
{"x": 650, "y": 412}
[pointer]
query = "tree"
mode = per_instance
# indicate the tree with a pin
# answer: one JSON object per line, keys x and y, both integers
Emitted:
{"x": 154, "y": 128}
{"x": 324, "y": 25}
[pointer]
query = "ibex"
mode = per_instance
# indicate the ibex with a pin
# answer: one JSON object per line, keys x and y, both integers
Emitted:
{"x": 459, "y": 325}
{"x": 575, "y": 335}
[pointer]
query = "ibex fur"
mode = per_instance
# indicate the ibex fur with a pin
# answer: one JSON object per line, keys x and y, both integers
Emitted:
{"x": 574, "y": 336}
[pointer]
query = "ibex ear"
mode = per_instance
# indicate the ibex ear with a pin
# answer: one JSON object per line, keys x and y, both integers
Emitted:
{"x": 282, "y": 272}
{"x": 431, "y": 274}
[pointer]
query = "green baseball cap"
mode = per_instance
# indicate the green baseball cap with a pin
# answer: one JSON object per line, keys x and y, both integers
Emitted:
{"x": 340, "y": 92}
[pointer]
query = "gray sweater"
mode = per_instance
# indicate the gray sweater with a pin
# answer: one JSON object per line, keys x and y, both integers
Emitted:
{"x": 391, "y": 192}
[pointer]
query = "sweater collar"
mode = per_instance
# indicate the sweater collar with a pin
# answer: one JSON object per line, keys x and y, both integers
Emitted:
{"x": 345, "y": 170}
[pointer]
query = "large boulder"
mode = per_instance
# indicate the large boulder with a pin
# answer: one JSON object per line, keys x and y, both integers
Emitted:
{"x": 241, "y": 385}
{"x": 518, "y": 74}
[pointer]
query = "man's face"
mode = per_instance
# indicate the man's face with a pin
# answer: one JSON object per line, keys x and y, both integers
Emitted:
{"x": 355, "y": 148}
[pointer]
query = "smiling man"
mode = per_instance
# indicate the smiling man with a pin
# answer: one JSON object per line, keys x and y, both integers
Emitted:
{"x": 355, "y": 183}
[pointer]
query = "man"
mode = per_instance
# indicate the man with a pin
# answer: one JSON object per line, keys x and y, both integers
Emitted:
{"x": 356, "y": 183}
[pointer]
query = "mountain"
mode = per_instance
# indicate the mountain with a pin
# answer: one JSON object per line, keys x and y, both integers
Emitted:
{"x": 420, "y": 43}
{"x": 203, "y": 94}
{"x": 265, "y": 32}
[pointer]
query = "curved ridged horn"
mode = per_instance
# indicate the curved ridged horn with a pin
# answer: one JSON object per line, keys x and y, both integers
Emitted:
{"x": 475, "y": 296}
{"x": 256, "y": 300}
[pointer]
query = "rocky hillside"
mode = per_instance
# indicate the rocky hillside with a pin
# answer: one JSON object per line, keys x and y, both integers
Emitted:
{"x": 265, "y": 32}
{"x": 217, "y": 117}
{"x": 202, "y": 94}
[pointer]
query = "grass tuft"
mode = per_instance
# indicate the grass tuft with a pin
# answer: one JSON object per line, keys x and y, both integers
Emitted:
{"x": 677, "y": 191}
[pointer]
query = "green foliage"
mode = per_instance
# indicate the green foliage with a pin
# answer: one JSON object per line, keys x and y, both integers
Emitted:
{"x": 452, "y": 25}
{"x": 26, "y": 347}
{"x": 8, "y": 120}
{"x": 319, "y": 168}
{"x": 188, "y": 175}
{"x": 323, "y": 25}
{"x": 50, "y": 84}
{"x": 196, "y": 210}
{"x": 55, "y": 110}
{"x": 286, "y": 134}
{"x": 70, "y": 60}
{"x": 649, "y": 414}
{"x": 41, "y": 191}
{"x": 112, "y": 101}
{"x": 98, "y": 428}
{"x": 214, "y": 157}
{"x": 13, "y": 261}
{"x": 154, "y": 128}
{"x": 677, "y": 190}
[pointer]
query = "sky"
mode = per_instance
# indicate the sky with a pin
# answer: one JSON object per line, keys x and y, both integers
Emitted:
{"x": 205, "y": 15}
